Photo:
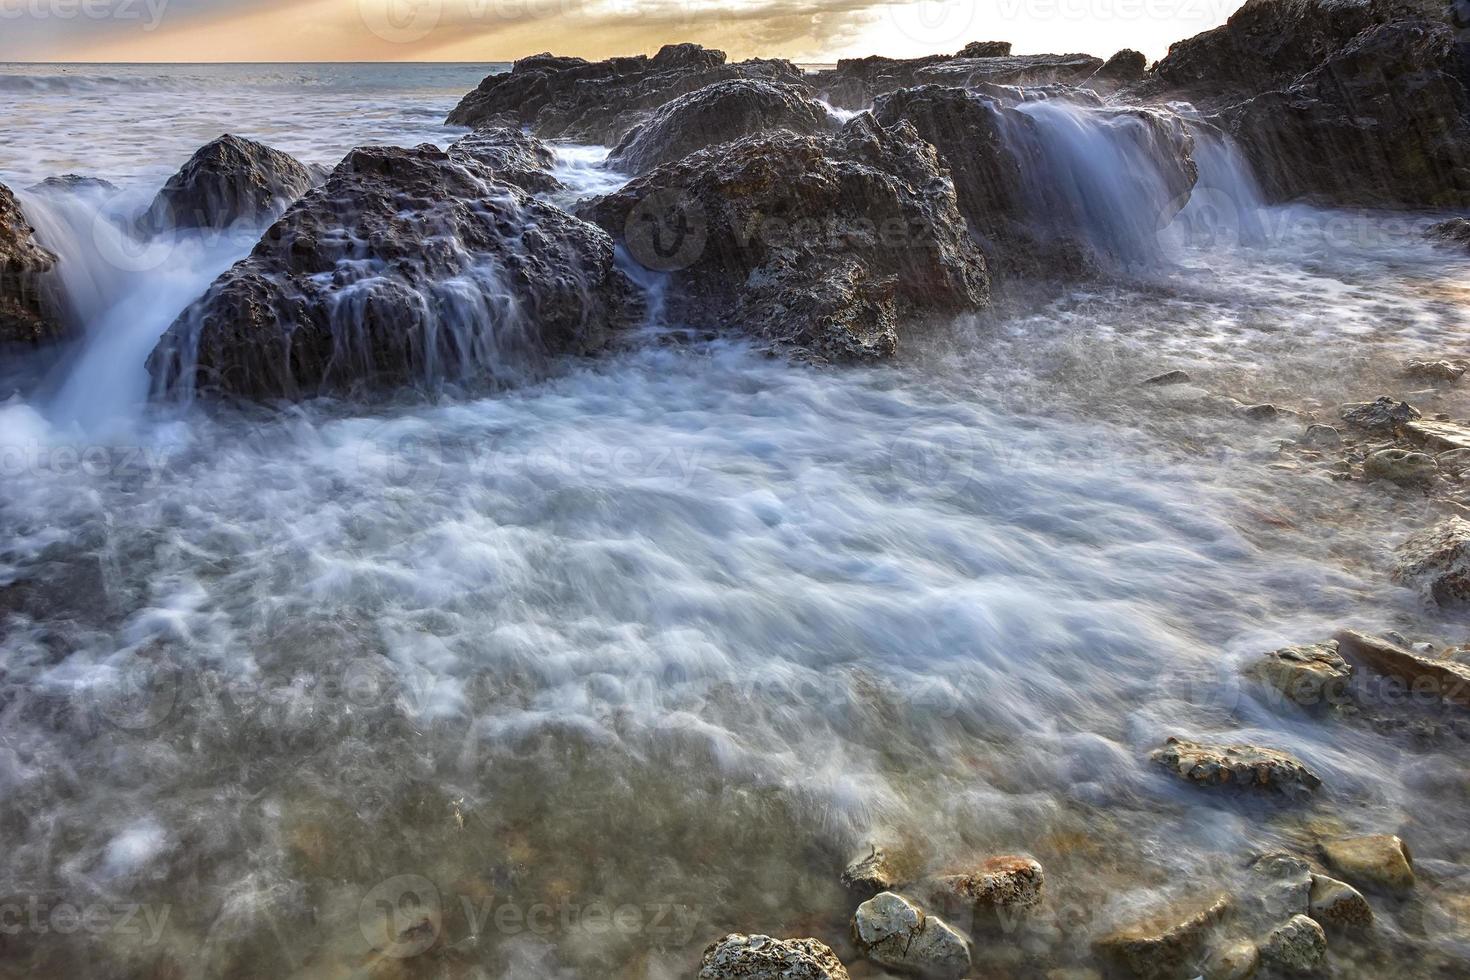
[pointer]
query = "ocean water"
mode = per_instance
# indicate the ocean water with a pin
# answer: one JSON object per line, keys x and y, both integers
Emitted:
{"x": 573, "y": 679}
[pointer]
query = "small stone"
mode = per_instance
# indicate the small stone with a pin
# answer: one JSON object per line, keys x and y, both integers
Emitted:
{"x": 1296, "y": 946}
{"x": 1381, "y": 415}
{"x": 1434, "y": 370}
{"x": 1436, "y": 561}
{"x": 1338, "y": 904}
{"x": 739, "y": 957}
{"x": 1312, "y": 676}
{"x": 1400, "y": 466}
{"x": 999, "y": 882}
{"x": 1322, "y": 436}
{"x": 1164, "y": 946}
{"x": 1260, "y": 413}
{"x": 1167, "y": 378}
{"x": 1237, "y": 961}
{"x": 867, "y": 876}
{"x": 1246, "y": 766}
{"x": 1379, "y": 862}
{"x": 895, "y": 933}
{"x": 1284, "y": 882}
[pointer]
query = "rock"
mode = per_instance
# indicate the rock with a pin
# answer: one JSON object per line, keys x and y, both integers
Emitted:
{"x": 1260, "y": 413}
{"x": 29, "y": 301}
{"x": 513, "y": 156}
{"x": 73, "y": 184}
{"x": 1438, "y": 436}
{"x": 856, "y": 82}
{"x": 718, "y": 113}
{"x": 1296, "y": 946}
{"x": 820, "y": 246}
{"x": 1454, "y": 463}
{"x": 1402, "y": 467}
{"x": 1336, "y": 904}
{"x": 1436, "y": 561}
{"x": 1455, "y": 231}
{"x": 1280, "y": 888}
{"x": 896, "y": 934}
{"x": 1381, "y": 862}
{"x": 1434, "y": 370}
{"x": 1167, "y": 378}
{"x": 407, "y": 265}
{"x": 229, "y": 180}
{"x": 1125, "y": 66}
{"x": 1008, "y": 882}
{"x": 599, "y": 102}
{"x": 1237, "y": 961}
{"x": 1321, "y": 436}
{"x": 1245, "y": 766}
{"x": 985, "y": 49}
{"x": 867, "y": 876}
{"x": 1313, "y": 676}
{"x": 1165, "y": 946}
{"x": 1382, "y": 415}
{"x": 1443, "y": 679}
{"x": 739, "y": 957}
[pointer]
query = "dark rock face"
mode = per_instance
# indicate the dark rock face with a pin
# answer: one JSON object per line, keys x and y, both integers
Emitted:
{"x": 407, "y": 265}
{"x": 1125, "y": 66}
{"x": 1455, "y": 231}
{"x": 985, "y": 49}
{"x": 72, "y": 183}
{"x": 820, "y": 246}
{"x": 600, "y": 101}
{"x": 857, "y": 82}
{"x": 28, "y": 312}
{"x": 515, "y": 157}
{"x": 718, "y": 113}
{"x": 229, "y": 180}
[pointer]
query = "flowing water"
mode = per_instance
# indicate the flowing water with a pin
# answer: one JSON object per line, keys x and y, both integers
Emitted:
{"x": 573, "y": 679}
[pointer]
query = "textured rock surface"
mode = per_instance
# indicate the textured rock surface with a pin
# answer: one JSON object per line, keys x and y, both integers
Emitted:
{"x": 998, "y": 882}
{"x": 1125, "y": 66}
{"x": 856, "y": 82}
{"x": 1382, "y": 415}
{"x": 1165, "y": 946}
{"x": 1436, "y": 561}
{"x": 1244, "y": 766}
{"x": 28, "y": 312}
{"x": 228, "y": 180}
{"x": 739, "y": 957}
{"x": 1407, "y": 469}
{"x": 1296, "y": 946}
{"x": 1313, "y": 676}
{"x": 1381, "y": 862}
{"x": 513, "y": 156}
{"x": 1423, "y": 676}
{"x": 1336, "y": 904}
{"x": 821, "y": 246}
{"x": 897, "y": 934}
{"x": 718, "y": 113}
{"x": 870, "y": 874}
{"x": 407, "y": 265}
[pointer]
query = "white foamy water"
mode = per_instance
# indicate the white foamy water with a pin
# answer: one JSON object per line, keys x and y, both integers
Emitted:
{"x": 678, "y": 631}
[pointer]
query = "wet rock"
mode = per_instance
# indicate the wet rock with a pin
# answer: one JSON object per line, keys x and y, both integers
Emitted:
{"x": 1438, "y": 435}
{"x": 1454, "y": 463}
{"x": 1009, "y": 882}
{"x": 1336, "y": 904}
{"x": 1381, "y": 416}
{"x": 1166, "y": 946}
{"x": 74, "y": 184}
{"x": 985, "y": 49}
{"x": 718, "y": 113}
{"x": 1400, "y": 466}
{"x": 407, "y": 265}
{"x": 1434, "y": 370}
{"x": 1237, "y": 961}
{"x": 1436, "y": 561}
{"x": 1296, "y": 946}
{"x": 1455, "y": 231}
{"x": 1320, "y": 436}
{"x": 740, "y": 957}
{"x": 1261, "y": 413}
{"x": 1279, "y": 888}
{"x": 896, "y": 934}
{"x": 1443, "y": 679}
{"x": 227, "y": 181}
{"x": 600, "y": 101}
{"x": 855, "y": 83}
{"x": 1244, "y": 766}
{"x": 869, "y": 875}
{"x": 29, "y": 308}
{"x": 1167, "y": 378}
{"x": 1381, "y": 862}
{"x": 823, "y": 247}
{"x": 1313, "y": 676}
{"x": 1125, "y": 66}
{"x": 513, "y": 156}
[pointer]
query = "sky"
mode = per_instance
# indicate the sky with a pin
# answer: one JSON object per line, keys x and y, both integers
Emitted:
{"x": 503, "y": 30}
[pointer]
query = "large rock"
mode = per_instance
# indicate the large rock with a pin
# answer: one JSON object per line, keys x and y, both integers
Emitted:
{"x": 718, "y": 113}
{"x": 821, "y": 246}
{"x": 1243, "y": 766}
{"x": 1436, "y": 561}
{"x": 1338, "y": 905}
{"x": 895, "y": 933}
{"x": 1007, "y": 882}
{"x": 1381, "y": 862}
{"x": 1381, "y": 416}
{"x": 229, "y": 180}
{"x": 600, "y": 101}
{"x": 1313, "y": 676}
{"x": 1026, "y": 70}
{"x": 1296, "y": 946}
{"x": 1169, "y": 945}
{"x": 856, "y": 82}
{"x": 512, "y": 155}
{"x": 1442, "y": 679}
{"x": 28, "y": 306}
{"x": 739, "y": 957}
{"x": 407, "y": 265}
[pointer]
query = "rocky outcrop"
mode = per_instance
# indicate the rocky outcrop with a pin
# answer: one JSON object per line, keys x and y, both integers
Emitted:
{"x": 1382, "y": 416}
{"x": 600, "y": 101}
{"x": 897, "y": 934}
{"x": 1436, "y": 562}
{"x": 1243, "y": 766}
{"x": 855, "y": 83}
{"x": 1124, "y": 67}
{"x": 28, "y": 308}
{"x": 1446, "y": 680}
{"x": 820, "y": 246}
{"x": 1167, "y": 945}
{"x": 740, "y": 957}
{"x": 513, "y": 156}
{"x": 229, "y": 180}
{"x": 1381, "y": 862}
{"x": 73, "y": 183}
{"x": 407, "y": 265}
{"x": 1007, "y": 882}
{"x": 1027, "y": 70}
{"x": 718, "y": 113}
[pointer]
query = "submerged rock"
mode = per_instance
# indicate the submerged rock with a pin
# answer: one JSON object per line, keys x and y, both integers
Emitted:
{"x": 1166, "y": 946}
{"x": 897, "y": 934}
{"x": 1245, "y": 766}
{"x": 1436, "y": 561}
{"x": 226, "y": 181}
{"x": 718, "y": 113}
{"x": 1008, "y": 882}
{"x": 29, "y": 312}
{"x": 1167, "y": 378}
{"x": 1234, "y": 961}
{"x": 1434, "y": 370}
{"x": 1382, "y": 415}
{"x": 867, "y": 876}
{"x": 73, "y": 183}
{"x": 740, "y": 957}
{"x": 1400, "y": 466}
{"x": 820, "y": 246}
{"x": 1455, "y": 231}
{"x": 513, "y": 156}
{"x": 1445, "y": 679}
{"x": 1337, "y": 904}
{"x": 1321, "y": 436}
{"x": 1313, "y": 676}
{"x": 1296, "y": 946}
{"x": 1379, "y": 862}
{"x": 407, "y": 265}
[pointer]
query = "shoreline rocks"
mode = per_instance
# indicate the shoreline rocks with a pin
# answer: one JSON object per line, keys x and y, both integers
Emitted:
{"x": 229, "y": 180}
{"x": 1245, "y": 766}
{"x": 1313, "y": 676}
{"x": 1381, "y": 862}
{"x": 1436, "y": 562}
{"x": 1441, "y": 679}
{"x": 895, "y": 933}
{"x": 741, "y": 957}
{"x": 514, "y": 157}
{"x": 1166, "y": 945}
{"x": 29, "y": 310}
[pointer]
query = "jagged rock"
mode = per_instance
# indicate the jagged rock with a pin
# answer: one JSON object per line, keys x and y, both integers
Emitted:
{"x": 29, "y": 310}
{"x": 821, "y": 246}
{"x": 1125, "y": 66}
{"x": 740, "y": 957}
{"x": 1402, "y": 467}
{"x": 1382, "y": 415}
{"x": 718, "y": 113}
{"x": 226, "y": 181}
{"x": 1321, "y": 436}
{"x": 408, "y": 264}
{"x": 897, "y": 934}
{"x": 1245, "y": 766}
{"x": 1434, "y": 370}
{"x": 856, "y": 82}
{"x": 1445, "y": 679}
{"x": 1236, "y": 961}
{"x": 1166, "y": 946}
{"x": 1337, "y": 904}
{"x": 1455, "y": 231}
{"x": 1381, "y": 862}
{"x": 1436, "y": 561}
{"x": 1313, "y": 676}
{"x": 985, "y": 49}
{"x": 1296, "y": 946}
{"x": 1008, "y": 882}
{"x": 74, "y": 183}
{"x": 513, "y": 156}
{"x": 869, "y": 875}
{"x": 599, "y": 102}
{"x": 1167, "y": 378}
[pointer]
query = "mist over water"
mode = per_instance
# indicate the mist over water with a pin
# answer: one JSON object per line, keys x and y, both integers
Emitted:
{"x": 684, "y": 628}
